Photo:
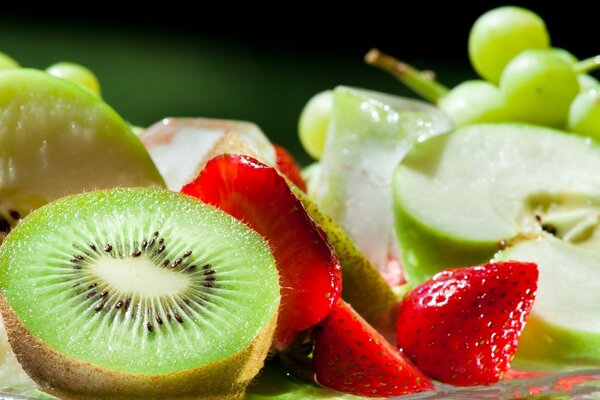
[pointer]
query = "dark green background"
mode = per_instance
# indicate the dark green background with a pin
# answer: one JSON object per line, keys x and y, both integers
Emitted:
{"x": 261, "y": 70}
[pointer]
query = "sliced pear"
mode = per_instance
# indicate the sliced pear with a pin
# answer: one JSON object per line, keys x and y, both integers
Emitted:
{"x": 179, "y": 146}
{"x": 368, "y": 135}
{"x": 57, "y": 139}
{"x": 530, "y": 191}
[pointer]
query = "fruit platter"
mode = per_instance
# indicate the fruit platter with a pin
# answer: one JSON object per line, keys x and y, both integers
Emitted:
{"x": 442, "y": 248}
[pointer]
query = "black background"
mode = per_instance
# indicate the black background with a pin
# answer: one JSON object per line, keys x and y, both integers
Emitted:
{"x": 258, "y": 62}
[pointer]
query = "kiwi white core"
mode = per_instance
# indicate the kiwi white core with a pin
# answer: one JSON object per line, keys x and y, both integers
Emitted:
{"x": 150, "y": 279}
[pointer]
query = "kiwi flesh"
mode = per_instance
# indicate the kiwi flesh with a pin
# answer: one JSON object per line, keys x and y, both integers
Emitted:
{"x": 138, "y": 293}
{"x": 57, "y": 139}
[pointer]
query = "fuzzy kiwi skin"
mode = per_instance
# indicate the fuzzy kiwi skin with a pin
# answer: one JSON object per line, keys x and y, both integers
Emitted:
{"x": 66, "y": 378}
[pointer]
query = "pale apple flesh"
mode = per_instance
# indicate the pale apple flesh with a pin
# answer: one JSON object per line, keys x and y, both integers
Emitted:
{"x": 529, "y": 192}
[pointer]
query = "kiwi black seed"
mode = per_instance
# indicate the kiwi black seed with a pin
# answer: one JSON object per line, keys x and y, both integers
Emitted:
{"x": 110, "y": 281}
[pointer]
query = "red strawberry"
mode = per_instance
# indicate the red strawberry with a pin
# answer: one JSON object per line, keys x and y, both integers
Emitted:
{"x": 309, "y": 270}
{"x": 352, "y": 357}
{"x": 463, "y": 325}
{"x": 289, "y": 167}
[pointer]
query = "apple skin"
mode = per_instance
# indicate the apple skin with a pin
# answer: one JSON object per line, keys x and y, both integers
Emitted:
{"x": 545, "y": 344}
{"x": 426, "y": 252}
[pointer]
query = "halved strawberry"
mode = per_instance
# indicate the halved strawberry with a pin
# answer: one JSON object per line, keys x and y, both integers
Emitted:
{"x": 352, "y": 357}
{"x": 309, "y": 270}
{"x": 462, "y": 326}
{"x": 289, "y": 167}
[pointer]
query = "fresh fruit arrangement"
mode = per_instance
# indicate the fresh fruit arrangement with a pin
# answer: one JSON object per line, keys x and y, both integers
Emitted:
{"x": 429, "y": 246}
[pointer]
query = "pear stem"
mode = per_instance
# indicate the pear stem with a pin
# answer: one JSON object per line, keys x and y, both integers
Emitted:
{"x": 420, "y": 82}
{"x": 587, "y": 65}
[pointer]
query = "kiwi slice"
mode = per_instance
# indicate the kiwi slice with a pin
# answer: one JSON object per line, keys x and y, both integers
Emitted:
{"x": 138, "y": 293}
{"x": 57, "y": 139}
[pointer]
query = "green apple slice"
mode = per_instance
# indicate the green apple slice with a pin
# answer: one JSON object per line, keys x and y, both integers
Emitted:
{"x": 535, "y": 192}
{"x": 564, "y": 327}
{"x": 368, "y": 135}
{"x": 57, "y": 139}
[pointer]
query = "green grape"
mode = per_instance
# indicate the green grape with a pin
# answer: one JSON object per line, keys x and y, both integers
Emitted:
{"x": 312, "y": 126}
{"x": 137, "y": 129}
{"x": 502, "y": 33}
{"x": 584, "y": 114}
{"x": 565, "y": 55}
{"x": 538, "y": 87}
{"x": 475, "y": 101}
{"x": 7, "y": 62}
{"x": 76, "y": 73}
{"x": 587, "y": 82}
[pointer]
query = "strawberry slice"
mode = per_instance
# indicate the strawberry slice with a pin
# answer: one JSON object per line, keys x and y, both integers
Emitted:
{"x": 309, "y": 270}
{"x": 352, "y": 357}
{"x": 289, "y": 167}
{"x": 463, "y": 325}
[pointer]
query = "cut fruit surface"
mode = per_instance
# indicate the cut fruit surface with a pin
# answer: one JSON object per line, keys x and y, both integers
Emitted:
{"x": 564, "y": 326}
{"x": 257, "y": 195}
{"x": 368, "y": 135}
{"x": 179, "y": 146}
{"x": 364, "y": 287}
{"x": 139, "y": 292}
{"x": 461, "y": 197}
{"x": 57, "y": 139}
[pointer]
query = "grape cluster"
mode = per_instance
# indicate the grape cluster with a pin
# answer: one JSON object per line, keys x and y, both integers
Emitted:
{"x": 524, "y": 79}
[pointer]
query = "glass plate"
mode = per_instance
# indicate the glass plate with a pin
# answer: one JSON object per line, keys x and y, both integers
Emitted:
{"x": 558, "y": 386}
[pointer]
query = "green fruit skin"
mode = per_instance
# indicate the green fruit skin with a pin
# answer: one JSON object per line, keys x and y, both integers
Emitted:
{"x": 313, "y": 123}
{"x": 475, "y": 101}
{"x": 538, "y": 87}
{"x": 7, "y": 62}
{"x": 587, "y": 82}
{"x": 545, "y": 346}
{"x": 426, "y": 252}
{"x": 584, "y": 114}
{"x": 500, "y": 34}
{"x": 77, "y": 74}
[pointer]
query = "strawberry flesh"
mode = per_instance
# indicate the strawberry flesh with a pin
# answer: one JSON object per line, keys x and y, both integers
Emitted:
{"x": 352, "y": 357}
{"x": 310, "y": 275}
{"x": 289, "y": 167}
{"x": 462, "y": 326}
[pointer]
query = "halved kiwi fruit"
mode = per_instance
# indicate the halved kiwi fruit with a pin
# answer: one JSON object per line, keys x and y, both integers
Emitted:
{"x": 138, "y": 293}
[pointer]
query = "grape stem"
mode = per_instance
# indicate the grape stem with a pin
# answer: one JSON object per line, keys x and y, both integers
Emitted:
{"x": 422, "y": 83}
{"x": 587, "y": 65}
